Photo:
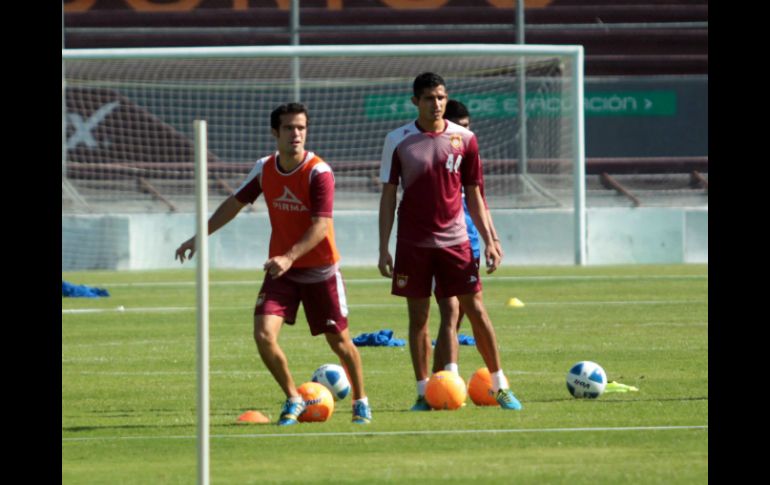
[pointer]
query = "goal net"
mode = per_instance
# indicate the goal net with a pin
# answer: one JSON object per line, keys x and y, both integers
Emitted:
{"x": 129, "y": 119}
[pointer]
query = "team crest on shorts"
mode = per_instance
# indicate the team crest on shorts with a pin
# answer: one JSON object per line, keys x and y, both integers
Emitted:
{"x": 260, "y": 299}
{"x": 456, "y": 141}
{"x": 401, "y": 280}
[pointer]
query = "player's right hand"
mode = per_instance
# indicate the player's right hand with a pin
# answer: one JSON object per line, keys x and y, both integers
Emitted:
{"x": 385, "y": 265}
{"x": 181, "y": 251}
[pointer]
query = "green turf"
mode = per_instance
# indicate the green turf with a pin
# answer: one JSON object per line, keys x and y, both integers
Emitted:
{"x": 129, "y": 384}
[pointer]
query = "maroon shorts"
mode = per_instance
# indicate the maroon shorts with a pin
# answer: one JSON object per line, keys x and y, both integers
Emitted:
{"x": 453, "y": 269}
{"x": 325, "y": 303}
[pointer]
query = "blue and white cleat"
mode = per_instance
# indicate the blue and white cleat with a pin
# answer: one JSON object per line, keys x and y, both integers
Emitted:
{"x": 362, "y": 413}
{"x": 421, "y": 404}
{"x": 507, "y": 400}
{"x": 291, "y": 412}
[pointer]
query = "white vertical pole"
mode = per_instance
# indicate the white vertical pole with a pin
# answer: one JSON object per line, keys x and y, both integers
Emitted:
{"x": 523, "y": 161}
{"x": 295, "y": 41}
{"x": 63, "y": 105}
{"x": 579, "y": 162}
{"x": 202, "y": 297}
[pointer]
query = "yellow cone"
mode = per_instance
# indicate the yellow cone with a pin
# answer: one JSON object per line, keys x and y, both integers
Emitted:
{"x": 515, "y": 303}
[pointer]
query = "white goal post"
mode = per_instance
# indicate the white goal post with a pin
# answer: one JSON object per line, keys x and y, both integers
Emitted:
{"x": 129, "y": 112}
{"x": 202, "y": 299}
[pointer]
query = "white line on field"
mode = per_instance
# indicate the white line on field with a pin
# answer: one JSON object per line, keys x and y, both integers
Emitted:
{"x": 492, "y": 278}
{"x": 225, "y": 373}
{"x": 397, "y": 304}
{"x": 384, "y": 280}
{"x": 619, "y": 302}
{"x": 121, "y": 309}
{"x": 392, "y": 433}
{"x": 171, "y": 373}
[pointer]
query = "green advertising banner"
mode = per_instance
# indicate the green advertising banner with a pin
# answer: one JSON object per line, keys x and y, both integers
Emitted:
{"x": 501, "y": 105}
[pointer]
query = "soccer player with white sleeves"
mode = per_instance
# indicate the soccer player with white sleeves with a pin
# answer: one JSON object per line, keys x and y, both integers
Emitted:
{"x": 433, "y": 160}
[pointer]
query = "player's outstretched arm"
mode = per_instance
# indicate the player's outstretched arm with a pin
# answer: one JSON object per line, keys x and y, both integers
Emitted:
{"x": 226, "y": 211}
{"x": 386, "y": 218}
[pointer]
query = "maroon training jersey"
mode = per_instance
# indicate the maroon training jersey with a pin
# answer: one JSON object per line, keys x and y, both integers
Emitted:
{"x": 431, "y": 168}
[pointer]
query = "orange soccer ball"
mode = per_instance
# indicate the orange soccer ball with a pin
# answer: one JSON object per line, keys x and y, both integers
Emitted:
{"x": 445, "y": 390}
{"x": 480, "y": 388}
{"x": 319, "y": 403}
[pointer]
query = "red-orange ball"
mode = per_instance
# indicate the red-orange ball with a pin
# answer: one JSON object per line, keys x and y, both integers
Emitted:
{"x": 445, "y": 390}
{"x": 480, "y": 388}
{"x": 319, "y": 403}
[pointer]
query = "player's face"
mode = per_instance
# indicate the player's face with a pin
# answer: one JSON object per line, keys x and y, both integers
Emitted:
{"x": 431, "y": 104}
{"x": 291, "y": 134}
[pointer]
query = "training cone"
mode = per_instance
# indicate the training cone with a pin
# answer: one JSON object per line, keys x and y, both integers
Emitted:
{"x": 515, "y": 303}
{"x": 253, "y": 417}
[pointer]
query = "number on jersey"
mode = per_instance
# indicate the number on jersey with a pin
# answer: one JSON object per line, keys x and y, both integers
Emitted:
{"x": 453, "y": 165}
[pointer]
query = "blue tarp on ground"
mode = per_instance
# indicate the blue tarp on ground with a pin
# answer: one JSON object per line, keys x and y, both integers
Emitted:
{"x": 70, "y": 290}
{"x": 384, "y": 338}
{"x": 381, "y": 338}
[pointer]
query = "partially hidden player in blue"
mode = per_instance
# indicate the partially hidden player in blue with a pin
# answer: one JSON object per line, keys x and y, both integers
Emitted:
{"x": 446, "y": 351}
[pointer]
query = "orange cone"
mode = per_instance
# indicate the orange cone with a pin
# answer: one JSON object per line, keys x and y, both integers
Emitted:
{"x": 253, "y": 417}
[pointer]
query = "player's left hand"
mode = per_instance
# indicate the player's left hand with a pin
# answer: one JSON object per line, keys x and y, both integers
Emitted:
{"x": 499, "y": 248}
{"x": 492, "y": 257}
{"x": 277, "y": 266}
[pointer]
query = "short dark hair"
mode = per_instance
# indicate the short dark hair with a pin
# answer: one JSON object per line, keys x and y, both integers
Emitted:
{"x": 455, "y": 110}
{"x": 426, "y": 80}
{"x": 288, "y": 108}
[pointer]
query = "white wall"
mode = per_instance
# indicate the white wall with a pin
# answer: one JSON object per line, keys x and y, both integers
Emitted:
{"x": 529, "y": 237}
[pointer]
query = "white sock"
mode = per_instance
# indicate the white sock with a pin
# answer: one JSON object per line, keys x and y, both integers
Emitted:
{"x": 499, "y": 381}
{"x": 421, "y": 387}
{"x": 452, "y": 368}
{"x": 364, "y": 400}
{"x": 295, "y": 399}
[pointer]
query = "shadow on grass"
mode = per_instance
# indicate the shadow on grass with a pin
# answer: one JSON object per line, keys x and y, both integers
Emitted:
{"x": 628, "y": 399}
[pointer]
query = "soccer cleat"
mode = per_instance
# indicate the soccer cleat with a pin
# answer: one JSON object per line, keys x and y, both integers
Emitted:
{"x": 362, "y": 413}
{"x": 290, "y": 412}
{"x": 507, "y": 400}
{"x": 421, "y": 404}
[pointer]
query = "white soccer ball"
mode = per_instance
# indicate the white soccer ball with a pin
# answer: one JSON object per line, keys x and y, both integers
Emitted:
{"x": 586, "y": 379}
{"x": 333, "y": 377}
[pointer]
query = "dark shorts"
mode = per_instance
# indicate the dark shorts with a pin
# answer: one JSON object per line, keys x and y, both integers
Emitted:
{"x": 452, "y": 269}
{"x": 325, "y": 303}
{"x": 477, "y": 260}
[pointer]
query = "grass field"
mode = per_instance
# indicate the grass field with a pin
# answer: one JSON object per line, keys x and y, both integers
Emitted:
{"x": 129, "y": 384}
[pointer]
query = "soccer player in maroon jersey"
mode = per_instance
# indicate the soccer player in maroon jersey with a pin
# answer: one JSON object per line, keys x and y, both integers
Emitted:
{"x": 433, "y": 160}
{"x": 298, "y": 187}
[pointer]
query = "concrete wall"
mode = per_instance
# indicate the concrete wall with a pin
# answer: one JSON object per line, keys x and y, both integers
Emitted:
{"x": 529, "y": 237}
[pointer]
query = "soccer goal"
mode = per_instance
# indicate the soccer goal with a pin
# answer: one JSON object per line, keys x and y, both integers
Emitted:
{"x": 128, "y": 117}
